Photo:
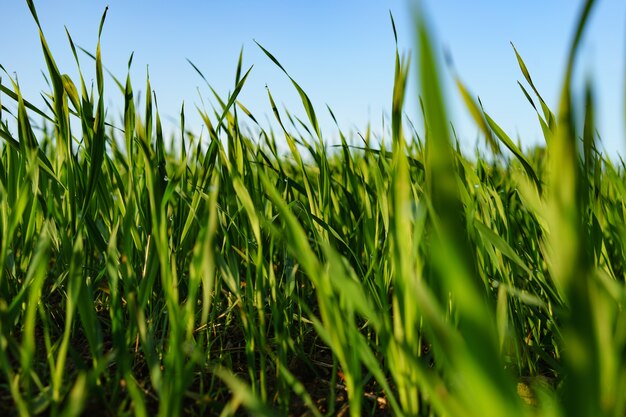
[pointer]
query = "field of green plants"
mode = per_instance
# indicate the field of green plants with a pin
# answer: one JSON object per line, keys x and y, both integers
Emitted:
{"x": 144, "y": 275}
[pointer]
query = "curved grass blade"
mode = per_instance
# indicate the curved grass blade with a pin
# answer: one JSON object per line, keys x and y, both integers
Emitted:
{"x": 306, "y": 102}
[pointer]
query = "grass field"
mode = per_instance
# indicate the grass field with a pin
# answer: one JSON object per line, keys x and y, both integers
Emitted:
{"x": 215, "y": 275}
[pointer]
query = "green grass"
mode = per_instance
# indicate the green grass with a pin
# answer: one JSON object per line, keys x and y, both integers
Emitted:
{"x": 218, "y": 276}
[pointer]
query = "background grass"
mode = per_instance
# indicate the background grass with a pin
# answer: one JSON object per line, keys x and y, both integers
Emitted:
{"x": 211, "y": 275}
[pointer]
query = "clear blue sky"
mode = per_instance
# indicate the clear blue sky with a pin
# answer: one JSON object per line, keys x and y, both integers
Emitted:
{"x": 340, "y": 52}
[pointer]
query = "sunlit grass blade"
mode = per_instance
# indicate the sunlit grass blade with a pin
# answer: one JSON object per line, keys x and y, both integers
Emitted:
{"x": 478, "y": 358}
{"x": 306, "y": 102}
{"x": 506, "y": 140}
{"x": 548, "y": 115}
{"x": 34, "y": 284}
{"x": 478, "y": 115}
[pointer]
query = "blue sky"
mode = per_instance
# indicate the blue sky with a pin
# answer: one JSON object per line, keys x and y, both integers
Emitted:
{"x": 340, "y": 52}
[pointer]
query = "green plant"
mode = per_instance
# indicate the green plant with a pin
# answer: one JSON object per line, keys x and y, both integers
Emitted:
{"x": 218, "y": 275}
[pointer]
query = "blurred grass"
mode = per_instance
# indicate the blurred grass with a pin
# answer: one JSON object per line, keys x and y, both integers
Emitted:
{"x": 217, "y": 275}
